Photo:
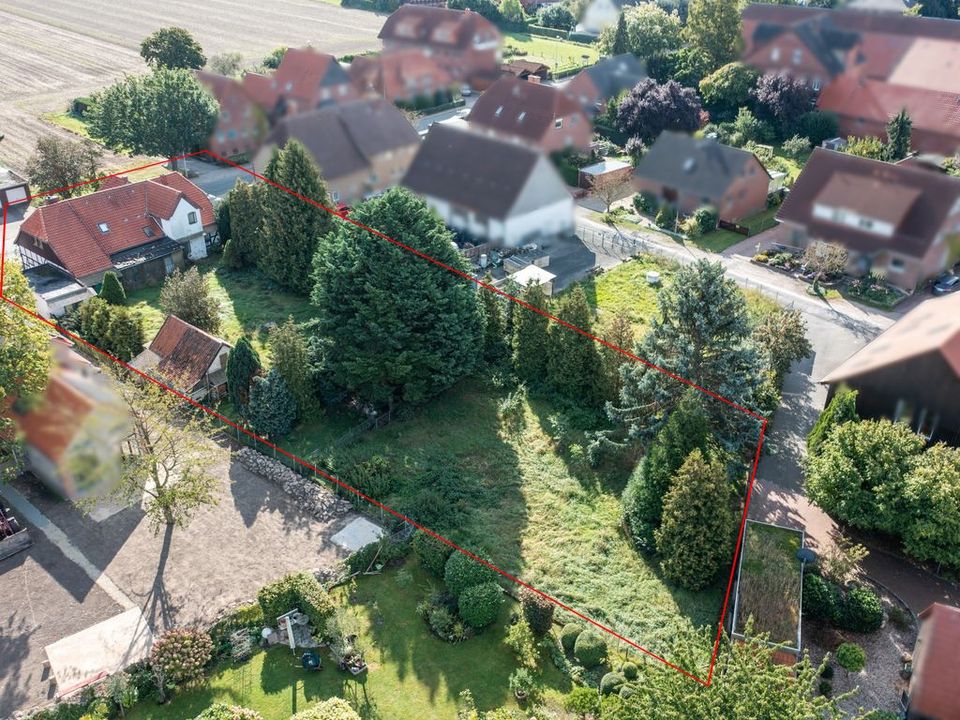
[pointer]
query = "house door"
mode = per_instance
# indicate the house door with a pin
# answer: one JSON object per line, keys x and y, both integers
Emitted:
{"x": 168, "y": 264}
{"x": 670, "y": 195}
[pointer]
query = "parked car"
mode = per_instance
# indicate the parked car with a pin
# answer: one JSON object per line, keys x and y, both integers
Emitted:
{"x": 466, "y": 90}
{"x": 946, "y": 284}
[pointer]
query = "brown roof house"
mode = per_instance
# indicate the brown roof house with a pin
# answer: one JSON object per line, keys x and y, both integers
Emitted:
{"x": 465, "y": 44}
{"x": 689, "y": 173}
{"x": 869, "y": 66}
{"x": 901, "y": 221}
{"x": 911, "y": 372}
{"x": 193, "y": 361}
{"x": 526, "y": 69}
{"x": 594, "y": 86}
{"x": 405, "y": 75}
{"x": 142, "y": 230}
{"x": 72, "y": 437}
{"x": 362, "y": 147}
{"x": 304, "y": 80}
{"x": 935, "y": 679}
{"x": 532, "y": 114}
{"x": 490, "y": 189}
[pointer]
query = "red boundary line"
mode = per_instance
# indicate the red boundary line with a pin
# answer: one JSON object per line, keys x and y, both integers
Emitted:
{"x": 716, "y": 644}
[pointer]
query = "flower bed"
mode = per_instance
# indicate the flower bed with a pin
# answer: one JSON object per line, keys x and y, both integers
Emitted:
{"x": 872, "y": 290}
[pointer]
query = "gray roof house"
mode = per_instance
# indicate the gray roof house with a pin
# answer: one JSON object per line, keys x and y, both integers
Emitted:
{"x": 592, "y": 87}
{"x": 488, "y": 188}
{"x": 362, "y": 147}
{"x": 691, "y": 172}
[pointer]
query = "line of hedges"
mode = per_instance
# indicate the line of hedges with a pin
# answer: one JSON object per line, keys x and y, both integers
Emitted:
{"x": 547, "y": 32}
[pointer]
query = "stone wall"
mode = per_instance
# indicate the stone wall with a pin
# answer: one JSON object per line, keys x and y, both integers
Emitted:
{"x": 310, "y": 497}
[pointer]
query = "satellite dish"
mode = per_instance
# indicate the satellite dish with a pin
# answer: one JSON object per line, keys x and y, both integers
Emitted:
{"x": 806, "y": 555}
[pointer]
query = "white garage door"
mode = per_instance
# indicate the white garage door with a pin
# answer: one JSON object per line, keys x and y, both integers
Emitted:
{"x": 16, "y": 195}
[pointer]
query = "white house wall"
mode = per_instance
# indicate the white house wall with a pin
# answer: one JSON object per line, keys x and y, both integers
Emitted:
{"x": 553, "y": 219}
{"x": 178, "y": 227}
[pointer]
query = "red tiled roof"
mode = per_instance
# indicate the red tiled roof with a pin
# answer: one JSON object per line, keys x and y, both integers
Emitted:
{"x": 933, "y": 684}
{"x": 522, "y": 108}
{"x": 261, "y": 90}
{"x": 439, "y": 27}
{"x": 400, "y": 74}
{"x": 185, "y": 352}
{"x": 128, "y": 211}
{"x": 51, "y": 426}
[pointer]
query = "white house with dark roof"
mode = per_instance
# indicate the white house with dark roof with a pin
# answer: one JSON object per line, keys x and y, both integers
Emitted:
{"x": 488, "y": 188}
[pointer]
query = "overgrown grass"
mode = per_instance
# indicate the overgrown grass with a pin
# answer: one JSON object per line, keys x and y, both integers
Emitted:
{"x": 625, "y": 289}
{"x": 68, "y": 121}
{"x": 411, "y": 674}
{"x": 248, "y": 303}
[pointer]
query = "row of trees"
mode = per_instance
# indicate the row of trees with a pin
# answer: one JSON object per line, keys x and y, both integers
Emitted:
{"x": 881, "y": 476}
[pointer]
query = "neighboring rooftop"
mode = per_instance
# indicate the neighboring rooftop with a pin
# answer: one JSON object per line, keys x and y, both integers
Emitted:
{"x": 180, "y": 352}
{"x": 613, "y": 75}
{"x": 933, "y": 683}
{"x": 933, "y": 326}
{"x": 471, "y": 170}
{"x": 701, "y": 166}
{"x": 438, "y": 27}
{"x": 522, "y": 108}
{"x": 914, "y": 200}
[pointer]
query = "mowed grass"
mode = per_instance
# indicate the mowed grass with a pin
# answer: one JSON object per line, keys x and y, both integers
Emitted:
{"x": 720, "y": 239}
{"x": 248, "y": 302}
{"x": 558, "y": 54}
{"x": 412, "y": 674}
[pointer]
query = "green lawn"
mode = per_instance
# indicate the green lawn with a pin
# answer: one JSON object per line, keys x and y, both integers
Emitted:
{"x": 558, "y": 54}
{"x": 412, "y": 674}
{"x": 248, "y": 301}
{"x": 719, "y": 240}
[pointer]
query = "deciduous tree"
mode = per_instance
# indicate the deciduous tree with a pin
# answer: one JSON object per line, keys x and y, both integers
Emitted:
{"x": 727, "y": 89}
{"x": 166, "y": 113}
{"x": 782, "y": 100}
{"x": 243, "y": 363}
{"x": 188, "y": 296}
{"x": 931, "y": 530}
{"x": 713, "y": 26}
{"x": 644, "y": 30}
{"x": 290, "y": 227}
{"x": 867, "y": 147}
{"x": 172, "y": 47}
{"x": 650, "y": 108}
{"x": 860, "y": 472}
{"x": 58, "y": 164}
{"x": 782, "y": 335}
{"x": 167, "y": 463}
{"x": 397, "y": 328}
{"x": 556, "y": 16}
{"x": 695, "y": 537}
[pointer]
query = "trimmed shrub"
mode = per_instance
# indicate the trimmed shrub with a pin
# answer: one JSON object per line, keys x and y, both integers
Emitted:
{"x": 480, "y": 604}
{"x": 111, "y": 290}
{"x": 666, "y": 217}
{"x": 462, "y": 572}
{"x": 569, "y": 634}
{"x": 182, "y": 654}
{"x": 611, "y": 683}
{"x": 582, "y": 701}
{"x": 590, "y": 649}
{"x": 645, "y": 202}
{"x": 222, "y": 711}
{"x": 432, "y": 553}
{"x": 851, "y": 657}
{"x": 821, "y": 598}
{"x": 381, "y": 553}
{"x": 707, "y": 218}
{"x": 537, "y": 610}
{"x": 330, "y": 709}
{"x": 862, "y": 611}
{"x": 630, "y": 671}
{"x": 299, "y": 591}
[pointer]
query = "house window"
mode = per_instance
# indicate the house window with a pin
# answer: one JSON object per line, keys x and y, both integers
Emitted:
{"x": 816, "y": 83}
{"x": 897, "y": 265}
{"x": 521, "y": 116}
{"x": 335, "y": 195}
{"x": 797, "y": 56}
{"x": 192, "y": 218}
{"x": 342, "y": 89}
{"x": 865, "y": 223}
{"x": 103, "y": 227}
{"x": 497, "y": 112}
{"x": 775, "y": 53}
{"x": 558, "y": 123}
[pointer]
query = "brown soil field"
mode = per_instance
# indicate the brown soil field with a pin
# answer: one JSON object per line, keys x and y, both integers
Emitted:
{"x": 52, "y": 52}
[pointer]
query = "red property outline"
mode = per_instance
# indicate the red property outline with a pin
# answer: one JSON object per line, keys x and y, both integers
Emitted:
{"x": 330, "y": 478}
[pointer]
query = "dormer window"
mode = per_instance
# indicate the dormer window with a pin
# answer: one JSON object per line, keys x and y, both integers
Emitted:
{"x": 288, "y": 87}
{"x": 103, "y": 227}
{"x": 558, "y": 123}
{"x": 498, "y": 111}
{"x": 521, "y": 116}
{"x": 689, "y": 164}
{"x": 775, "y": 53}
{"x": 797, "y": 56}
{"x": 148, "y": 231}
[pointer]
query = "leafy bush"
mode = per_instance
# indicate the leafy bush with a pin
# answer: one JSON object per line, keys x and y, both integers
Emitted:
{"x": 181, "y": 654}
{"x": 333, "y": 708}
{"x": 707, "y": 218}
{"x": 880, "y": 715}
{"x": 537, "y": 610}
{"x": 842, "y": 408}
{"x": 222, "y": 711}
{"x": 296, "y": 591}
{"x": 851, "y": 657}
{"x": 479, "y": 604}
{"x": 520, "y": 640}
{"x": 569, "y": 634}
{"x": 379, "y": 553}
{"x": 630, "y": 671}
{"x": 825, "y": 688}
{"x": 438, "y": 612}
{"x": 861, "y": 612}
{"x": 582, "y": 702}
{"x": 521, "y": 681}
{"x": 666, "y": 216}
{"x": 611, "y": 683}
{"x": 817, "y": 126}
{"x": 827, "y": 672}
{"x": 463, "y": 572}
{"x": 645, "y": 202}
{"x": 432, "y": 553}
{"x": 374, "y": 477}
{"x": 590, "y": 649}
{"x": 821, "y": 598}
{"x": 796, "y": 147}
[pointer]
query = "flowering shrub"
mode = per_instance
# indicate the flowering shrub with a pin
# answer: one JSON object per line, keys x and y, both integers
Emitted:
{"x": 181, "y": 654}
